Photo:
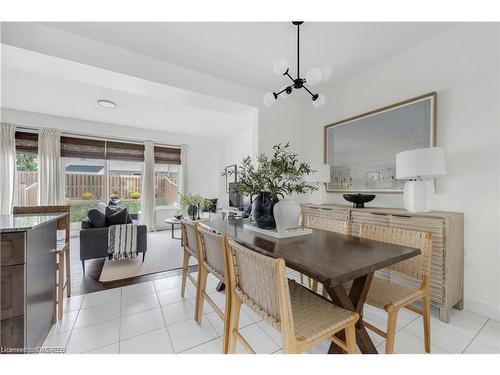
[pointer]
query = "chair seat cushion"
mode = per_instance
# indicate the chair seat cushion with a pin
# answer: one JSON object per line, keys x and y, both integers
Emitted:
{"x": 384, "y": 292}
{"x": 313, "y": 315}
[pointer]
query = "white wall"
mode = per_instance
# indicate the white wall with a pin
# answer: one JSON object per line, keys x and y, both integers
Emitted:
{"x": 462, "y": 65}
{"x": 202, "y": 161}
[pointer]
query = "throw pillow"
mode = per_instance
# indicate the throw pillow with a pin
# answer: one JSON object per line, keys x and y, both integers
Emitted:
{"x": 97, "y": 215}
{"x": 117, "y": 217}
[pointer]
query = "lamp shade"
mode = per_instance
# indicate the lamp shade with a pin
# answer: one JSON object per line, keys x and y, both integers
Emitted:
{"x": 422, "y": 162}
{"x": 321, "y": 175}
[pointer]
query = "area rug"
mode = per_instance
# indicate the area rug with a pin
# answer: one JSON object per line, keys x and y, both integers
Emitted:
{"x": 164, "y": 254}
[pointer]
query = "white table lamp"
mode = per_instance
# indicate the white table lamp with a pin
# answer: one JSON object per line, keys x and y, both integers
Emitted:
{"x": 321, "y": 176}
{"x": 419, "y": 167}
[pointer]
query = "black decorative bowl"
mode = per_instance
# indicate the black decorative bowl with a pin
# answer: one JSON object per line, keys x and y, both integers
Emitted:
{"x": 359, "y": 200}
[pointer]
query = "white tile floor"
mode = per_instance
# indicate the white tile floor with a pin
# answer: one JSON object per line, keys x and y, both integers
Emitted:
{"x": 152, "y": 317}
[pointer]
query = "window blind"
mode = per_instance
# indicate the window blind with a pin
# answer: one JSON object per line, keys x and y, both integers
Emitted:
{"x": 167, "y": 155}
{"x": 83, "y": 148}
{"x": 124, "y": 151}
{"x": 26, "y": 142}
{"x": 97, "y": 149}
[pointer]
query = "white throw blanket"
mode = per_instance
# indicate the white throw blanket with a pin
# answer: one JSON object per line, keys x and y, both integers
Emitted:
{"x": 122, "y": 241}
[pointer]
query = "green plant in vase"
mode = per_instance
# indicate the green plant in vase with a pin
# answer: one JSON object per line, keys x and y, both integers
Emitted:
{"x": 192, "y": 204}
{"x": 270, "y": 178}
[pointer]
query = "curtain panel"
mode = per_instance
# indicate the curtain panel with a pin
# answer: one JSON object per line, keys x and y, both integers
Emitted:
{"x": 183, "y": 178}
{"x": 51, "y": 177}
{"x": 148, "y": 187}
{"x": 7, "y": 167}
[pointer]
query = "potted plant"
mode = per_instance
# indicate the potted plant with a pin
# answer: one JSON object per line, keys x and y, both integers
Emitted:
{"x": 269, "y": 179}
{"x": 193, "y": 203}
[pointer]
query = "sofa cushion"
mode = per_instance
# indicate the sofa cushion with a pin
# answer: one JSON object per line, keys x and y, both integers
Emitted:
{"x": 97, "y": 215}
{"x": 115, "y": 217}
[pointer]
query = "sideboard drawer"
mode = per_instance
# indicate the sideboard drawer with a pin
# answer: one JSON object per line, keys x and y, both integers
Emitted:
{"x": 12, "y": 291}
{"x": 332, "y": 212}
{"x": 358, "y": 218}
{"x": 12, "y": 248}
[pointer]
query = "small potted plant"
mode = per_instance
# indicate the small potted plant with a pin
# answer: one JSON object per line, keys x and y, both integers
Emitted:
{"x": 192, "y": 204}
{"x": 269, "y": 179}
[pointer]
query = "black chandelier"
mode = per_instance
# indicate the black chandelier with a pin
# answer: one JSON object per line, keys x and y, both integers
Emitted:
{"x": 313, "y": 77}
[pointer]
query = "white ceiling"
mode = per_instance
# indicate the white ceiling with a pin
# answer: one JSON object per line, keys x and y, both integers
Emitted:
{"x": 244, "y": 53}
{"x": 44, "y": 84}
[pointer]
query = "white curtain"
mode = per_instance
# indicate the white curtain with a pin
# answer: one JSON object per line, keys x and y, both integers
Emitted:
{"x": 7, "y": 167}
{"x": 50, "y": 180}
{"x": 148, "y": 187}
{"x": 183, "y": 179}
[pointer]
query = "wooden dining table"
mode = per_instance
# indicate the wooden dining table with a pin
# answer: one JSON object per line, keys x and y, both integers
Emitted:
{"x": 330, "y": 258}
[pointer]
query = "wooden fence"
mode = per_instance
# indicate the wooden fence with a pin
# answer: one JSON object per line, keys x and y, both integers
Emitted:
{"x": 77, "y": 184}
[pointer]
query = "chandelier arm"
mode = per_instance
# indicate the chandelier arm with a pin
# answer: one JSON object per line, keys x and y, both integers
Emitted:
{"x": 288, "y": 74}
{"x": 304, "y": 87}
{"x": 281, "y": 91}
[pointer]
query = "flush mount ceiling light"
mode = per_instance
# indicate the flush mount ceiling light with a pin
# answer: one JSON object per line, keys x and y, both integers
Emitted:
{"x": 313, "y": 77}
{"x": 106, "y": 103}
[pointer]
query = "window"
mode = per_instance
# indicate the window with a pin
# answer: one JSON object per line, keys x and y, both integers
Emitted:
{"x": 167, "y": 185}
{"x": 84, "y": 185}
{"x": 125, "y": 181}
{"x": 27, "y": 178}
{"x": 27, "y": 168}
{"x": 98, "y": 170}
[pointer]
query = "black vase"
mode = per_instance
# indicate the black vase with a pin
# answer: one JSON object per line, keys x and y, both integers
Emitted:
{"x": 192, "y": 211}
{"x": 262, "y": 210}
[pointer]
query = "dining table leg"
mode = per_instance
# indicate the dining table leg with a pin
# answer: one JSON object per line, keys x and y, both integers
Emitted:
{"x": 353, "y": 301}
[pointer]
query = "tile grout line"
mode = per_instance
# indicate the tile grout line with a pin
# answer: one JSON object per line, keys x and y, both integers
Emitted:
{"x": 218, "y": 338}
{"x": 163, "y": 317}
{"x": 477, "y": 334}
{"x": 280, "y": 345}
{"x": 73, "y": 325}
{"x": 120, "y": 326}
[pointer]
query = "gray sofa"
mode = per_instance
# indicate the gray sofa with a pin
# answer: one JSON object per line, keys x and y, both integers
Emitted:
{"x": 94, "y": 241}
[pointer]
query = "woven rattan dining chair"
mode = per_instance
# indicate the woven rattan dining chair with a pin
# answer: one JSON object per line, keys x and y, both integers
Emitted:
{"x": 390, "y": 296}
{"x": 212, "y": 257}
{"x": 190, "y": 245}
{"x": 323, "y": 223}
{"x": 303, "y": 317}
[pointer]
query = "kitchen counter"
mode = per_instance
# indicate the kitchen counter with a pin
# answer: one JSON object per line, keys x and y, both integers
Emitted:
{"x": 28, "y": 285}
{"x": 21, "y": 223}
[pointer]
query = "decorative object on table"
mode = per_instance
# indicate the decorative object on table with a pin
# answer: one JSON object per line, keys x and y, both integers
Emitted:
{"x": 269, "y": 178}
{"x": 231, "y": 174}
{"x": 313, "y": 77}
{"x": 263, "y": 210}
{"x": 193, "y": 204}
{"x": 276, "y": 233}
{"x": 359, "y": 200}
{"x": 361, "y": 150}
{"x": 319, "y": 176}
{"x": 419, "y": 167}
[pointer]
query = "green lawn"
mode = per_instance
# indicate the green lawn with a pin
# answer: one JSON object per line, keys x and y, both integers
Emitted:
{"x": 79, "y": 208}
